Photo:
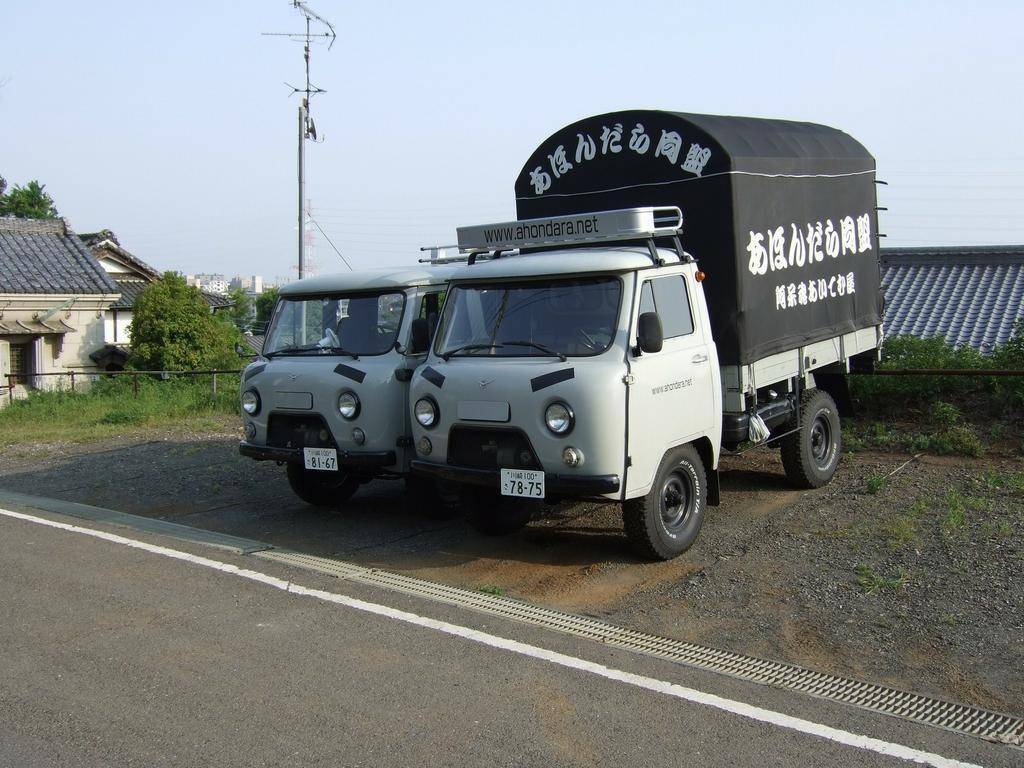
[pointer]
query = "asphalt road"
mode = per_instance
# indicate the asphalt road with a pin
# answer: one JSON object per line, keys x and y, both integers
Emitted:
{"x": 113, "y": 655}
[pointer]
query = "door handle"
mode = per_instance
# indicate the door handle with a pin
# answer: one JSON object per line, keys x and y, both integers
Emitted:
{"x": 700, "y": 357}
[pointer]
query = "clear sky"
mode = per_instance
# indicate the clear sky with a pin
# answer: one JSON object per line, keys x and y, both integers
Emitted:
{"x": 170, "y": 123}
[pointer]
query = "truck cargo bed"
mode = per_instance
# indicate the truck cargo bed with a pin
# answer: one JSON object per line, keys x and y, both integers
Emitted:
{"x": 835, "y": 353}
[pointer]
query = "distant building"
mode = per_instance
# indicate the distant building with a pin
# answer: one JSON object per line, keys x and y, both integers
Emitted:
{"x": 210, "y": 282}
{"x": 53, "y": 296}
{"x": 967, "y": 295}
{"x": 251, "y": 284}
{"x": 132, "y": 275}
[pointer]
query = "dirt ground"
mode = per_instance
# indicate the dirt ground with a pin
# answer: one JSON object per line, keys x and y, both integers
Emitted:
{"x": 912, "y": 578}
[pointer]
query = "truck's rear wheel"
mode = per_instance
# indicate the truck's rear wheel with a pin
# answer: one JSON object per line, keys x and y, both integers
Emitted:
{"x": 496, "y": 515}
{"x": 664, "y": 523}
{"x": 321, "y": 489}
{"x": 811, "y": 455}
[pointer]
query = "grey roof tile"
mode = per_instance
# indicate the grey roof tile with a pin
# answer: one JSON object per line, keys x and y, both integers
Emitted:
{"x": 45, "y": 256}
{"x": 971, "y": 295}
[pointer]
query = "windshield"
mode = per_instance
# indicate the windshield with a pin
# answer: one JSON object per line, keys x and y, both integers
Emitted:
{"x": 564, "y": 317}
{"x": 364, "y": 324}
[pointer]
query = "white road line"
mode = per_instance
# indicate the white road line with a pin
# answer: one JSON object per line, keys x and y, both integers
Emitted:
{"x": 571, "y": 662}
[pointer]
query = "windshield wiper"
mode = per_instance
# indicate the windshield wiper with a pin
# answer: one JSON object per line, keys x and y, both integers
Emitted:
{"x": 466, "y": 348}
{"x": 546, "y": 350}
{"x": 311, "y": 348}
{"x": 535, "y": 345}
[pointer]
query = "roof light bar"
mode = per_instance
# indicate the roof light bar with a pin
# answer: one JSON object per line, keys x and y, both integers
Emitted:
{"x": 575, "y": 229}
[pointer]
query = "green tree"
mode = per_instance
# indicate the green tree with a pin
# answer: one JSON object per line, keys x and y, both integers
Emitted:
{"x": 28, "y": 202}
{"x": 242, "y": 310}
{"x": 173, "y": 330}
{"x": 265, "y": 307}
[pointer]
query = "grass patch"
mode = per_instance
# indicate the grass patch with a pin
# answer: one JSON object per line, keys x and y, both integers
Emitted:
{"x": 491, "y": 589}
{"x": 997, "y": 480}
{"x": 946, "y": 414}
{"x": 946, "y": 440}
{"x": 902, "y": 530}
{"x": 872, "y": 583}
{"x": 112, "y": 407}
{"x": 874, "y": 483}
{"x": 956, "y": 512}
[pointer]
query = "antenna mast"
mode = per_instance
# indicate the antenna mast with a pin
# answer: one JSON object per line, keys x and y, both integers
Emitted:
{"x": 307, "y": 128}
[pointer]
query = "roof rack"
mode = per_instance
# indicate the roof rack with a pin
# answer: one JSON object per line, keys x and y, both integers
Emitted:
{"x": 575, "y": 229}
{"x": 438, "y": 255}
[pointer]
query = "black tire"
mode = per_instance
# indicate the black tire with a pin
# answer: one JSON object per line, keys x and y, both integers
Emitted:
{"x": 664, "y": 523}
{"x": 811, "y": 455}
{"x": 321, "y": 489}
{"x": 433, "y": 499}
{"x": 495, "y": 515}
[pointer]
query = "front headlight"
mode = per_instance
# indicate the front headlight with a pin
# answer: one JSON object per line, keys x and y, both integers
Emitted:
{"x": 348, "y": 405}
{"x": 426, "y": 411}
{"x": 559, "y": 418}
{"x": 251, "y": 402}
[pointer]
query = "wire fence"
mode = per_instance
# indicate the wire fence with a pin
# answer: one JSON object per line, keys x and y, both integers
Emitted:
{"x": 79, "y": 380}
{"x": 74, "y": 381}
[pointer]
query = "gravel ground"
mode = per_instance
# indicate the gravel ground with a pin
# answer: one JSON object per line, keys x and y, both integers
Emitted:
{"x": 914, "y": 580}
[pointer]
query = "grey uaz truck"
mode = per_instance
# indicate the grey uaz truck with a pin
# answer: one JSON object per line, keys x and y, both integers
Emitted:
{"x": 328, "y": 396}
{"x": 675, "y": 285}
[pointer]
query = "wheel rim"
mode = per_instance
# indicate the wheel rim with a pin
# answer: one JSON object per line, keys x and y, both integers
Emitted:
{"x": 677, "y": 494}
{"x": 821, "y": 441}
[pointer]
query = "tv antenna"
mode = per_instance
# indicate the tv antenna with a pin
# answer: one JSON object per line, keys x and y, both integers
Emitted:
{"x": 307, "y": 128}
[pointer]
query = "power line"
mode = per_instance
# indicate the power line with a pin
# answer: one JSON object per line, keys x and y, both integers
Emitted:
{"x": 331, "y": 242}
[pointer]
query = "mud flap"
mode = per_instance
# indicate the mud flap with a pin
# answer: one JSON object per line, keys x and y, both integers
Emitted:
{"x": 714, "y": 489}
{"x": 838, "y": 386}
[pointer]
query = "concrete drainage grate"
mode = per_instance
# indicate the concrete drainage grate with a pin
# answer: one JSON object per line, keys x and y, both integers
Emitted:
{"x": 959, "y": 718}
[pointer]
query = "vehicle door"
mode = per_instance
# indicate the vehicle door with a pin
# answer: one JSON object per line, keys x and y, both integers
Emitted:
{"x": 423, "y": 304}
{"x": 671, "y": 397}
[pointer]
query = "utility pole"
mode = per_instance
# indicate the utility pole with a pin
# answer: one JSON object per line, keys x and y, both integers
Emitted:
{"x": 303, "y": 117}
{"x": 307, "y": 129}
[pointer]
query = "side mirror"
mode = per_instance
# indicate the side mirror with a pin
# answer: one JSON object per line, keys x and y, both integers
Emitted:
{"x": 649, "y": 335}
{"x": 419, "y": 341}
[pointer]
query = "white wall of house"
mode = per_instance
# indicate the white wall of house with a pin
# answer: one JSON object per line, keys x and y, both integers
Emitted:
{"x": 56, "y": 353}
{"x": 115, "y": 326}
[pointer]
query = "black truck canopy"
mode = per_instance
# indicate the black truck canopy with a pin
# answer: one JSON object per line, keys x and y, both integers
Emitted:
{"x": 781, "y": 215}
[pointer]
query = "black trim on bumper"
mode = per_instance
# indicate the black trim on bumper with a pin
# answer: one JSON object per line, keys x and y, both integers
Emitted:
{"x": 554, "y": 484}
{"x": 355, "y": 459}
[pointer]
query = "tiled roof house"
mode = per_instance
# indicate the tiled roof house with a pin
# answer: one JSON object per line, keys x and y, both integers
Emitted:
{"x": 52, "y": 297}
{"x": 132, "y": 275}
{"x": 971, "y": 295}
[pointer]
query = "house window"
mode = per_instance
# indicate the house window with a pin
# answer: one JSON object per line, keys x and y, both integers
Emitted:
{"x": 21, "y": 362}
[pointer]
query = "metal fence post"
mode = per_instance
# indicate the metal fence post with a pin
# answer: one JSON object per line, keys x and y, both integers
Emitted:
{"x": 215, "y": 386}
{"x": 72, "y": 381}
{"x": 10, "y": 387}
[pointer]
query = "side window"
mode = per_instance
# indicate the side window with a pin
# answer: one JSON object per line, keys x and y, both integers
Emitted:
{"x": 430, "y": 306}
{"x": 668, "y": 297}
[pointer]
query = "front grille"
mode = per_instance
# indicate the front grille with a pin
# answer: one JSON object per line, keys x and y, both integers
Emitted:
{"x": 288, "y": 431}
{"x": 490, "y": 448}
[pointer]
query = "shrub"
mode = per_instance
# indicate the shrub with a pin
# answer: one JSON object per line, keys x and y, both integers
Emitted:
{"x": 173, "y": 330}
{"x": 945, "y": 414}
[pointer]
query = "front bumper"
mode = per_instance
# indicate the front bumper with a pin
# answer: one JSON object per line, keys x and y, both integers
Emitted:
{"x": 352, "y": 459}
{"x": 555, "y": 484}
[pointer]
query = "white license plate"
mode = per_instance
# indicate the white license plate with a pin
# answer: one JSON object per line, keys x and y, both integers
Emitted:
{"x": 324, "y": 459}
{"x": 522, "y": 482}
